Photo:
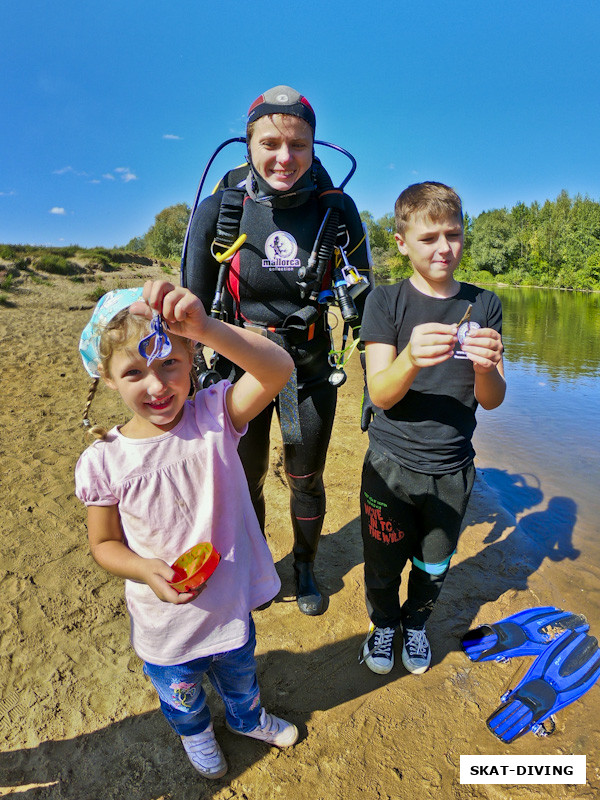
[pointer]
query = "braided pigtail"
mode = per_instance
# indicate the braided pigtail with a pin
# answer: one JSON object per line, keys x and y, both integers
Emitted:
{"x": 97, "y": 431}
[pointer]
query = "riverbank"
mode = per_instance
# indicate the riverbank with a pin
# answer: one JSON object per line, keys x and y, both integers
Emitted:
{"x": 80, "y": 721}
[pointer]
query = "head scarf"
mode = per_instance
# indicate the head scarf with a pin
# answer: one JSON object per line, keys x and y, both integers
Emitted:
{"x": 107, "y": 307}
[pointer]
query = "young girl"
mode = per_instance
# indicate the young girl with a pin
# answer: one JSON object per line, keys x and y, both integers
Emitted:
{"x": 168, "y": 479}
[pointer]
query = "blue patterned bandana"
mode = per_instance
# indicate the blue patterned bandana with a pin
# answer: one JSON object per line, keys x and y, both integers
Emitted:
{"x": 107, "y": 307}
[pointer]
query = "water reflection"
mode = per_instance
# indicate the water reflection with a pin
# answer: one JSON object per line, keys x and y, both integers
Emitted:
{"x": 557, "y": 331}
{"x": 546, "y": 432}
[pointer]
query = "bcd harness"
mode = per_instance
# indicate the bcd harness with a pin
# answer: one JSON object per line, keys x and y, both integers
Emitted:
{"x": 314, "y": 284}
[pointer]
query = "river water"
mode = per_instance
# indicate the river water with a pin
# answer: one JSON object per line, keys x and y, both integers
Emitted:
{"x": 540, "y": 450}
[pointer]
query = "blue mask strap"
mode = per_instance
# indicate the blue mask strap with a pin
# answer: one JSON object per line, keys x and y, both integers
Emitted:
{"x": 162, "y": 344}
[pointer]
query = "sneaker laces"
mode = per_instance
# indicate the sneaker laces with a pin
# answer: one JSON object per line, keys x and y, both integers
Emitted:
{"x": 382, "y": 643}
{"x": 416, "y": 642}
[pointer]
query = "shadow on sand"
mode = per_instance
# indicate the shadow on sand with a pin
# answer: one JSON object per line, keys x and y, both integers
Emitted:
{"x": 139, "y": 758}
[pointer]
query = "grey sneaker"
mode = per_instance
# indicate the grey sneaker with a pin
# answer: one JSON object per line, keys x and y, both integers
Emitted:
{"x": 377, "y": 651}
{"x": 272, "y": 730}
{"x": 416, "y": 653}
{"x": 205, "y": 754}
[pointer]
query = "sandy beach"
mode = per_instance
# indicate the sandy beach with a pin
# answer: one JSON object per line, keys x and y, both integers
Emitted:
{"x": 79, "y": 720}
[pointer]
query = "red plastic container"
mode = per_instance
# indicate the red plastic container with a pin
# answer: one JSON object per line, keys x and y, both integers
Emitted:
{"x": 194, "y": 567}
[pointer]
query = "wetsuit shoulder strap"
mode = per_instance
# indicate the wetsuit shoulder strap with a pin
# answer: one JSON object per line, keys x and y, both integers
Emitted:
{"x": 230, "y": 217}
{"x": 233, "y": 186}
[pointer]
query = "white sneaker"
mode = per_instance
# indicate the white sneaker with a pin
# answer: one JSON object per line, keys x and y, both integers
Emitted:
{"x": 205, "y": 754}
{"x": 377, "y": 651}
{"x": 272, "y": 730}
{"x": 416, "y": 653}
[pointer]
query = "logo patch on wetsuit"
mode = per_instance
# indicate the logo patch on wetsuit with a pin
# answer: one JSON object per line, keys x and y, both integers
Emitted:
{"x": 281, "y": 250}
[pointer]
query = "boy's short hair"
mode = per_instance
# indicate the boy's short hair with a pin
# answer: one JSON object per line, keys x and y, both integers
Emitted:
{"x": 429, "y": 199}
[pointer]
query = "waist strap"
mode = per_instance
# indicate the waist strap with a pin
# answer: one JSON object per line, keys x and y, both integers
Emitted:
{"x": 293, "y": 335}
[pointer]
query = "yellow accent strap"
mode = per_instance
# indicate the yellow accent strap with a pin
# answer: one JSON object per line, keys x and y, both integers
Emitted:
{"x": 228, "y": 254}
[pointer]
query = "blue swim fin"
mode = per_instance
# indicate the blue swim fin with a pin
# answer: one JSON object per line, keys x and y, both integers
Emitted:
{"x": 526, "y": 633}
{"x": 559, "y": 676}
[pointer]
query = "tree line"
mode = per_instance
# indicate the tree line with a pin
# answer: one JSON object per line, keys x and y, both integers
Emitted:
{"x": 556, "y": 244}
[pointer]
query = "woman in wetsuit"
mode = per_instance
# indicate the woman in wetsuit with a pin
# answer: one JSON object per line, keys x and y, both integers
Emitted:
{"x": 284, "y": 191}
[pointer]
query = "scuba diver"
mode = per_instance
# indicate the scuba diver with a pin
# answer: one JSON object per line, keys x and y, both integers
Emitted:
{"x": 269, "y": 251}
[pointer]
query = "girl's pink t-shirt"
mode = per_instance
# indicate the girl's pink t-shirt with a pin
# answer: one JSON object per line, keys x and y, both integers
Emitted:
{"x": 173, "y": 491}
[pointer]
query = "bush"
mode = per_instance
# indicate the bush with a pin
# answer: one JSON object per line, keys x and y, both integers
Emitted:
{"x": 6, "y": 282}
{"x": 96, "y": 294}
{"x": 6, "y": 252}
{"x": 56, "y": 265}
{"x": 101, "y": 258}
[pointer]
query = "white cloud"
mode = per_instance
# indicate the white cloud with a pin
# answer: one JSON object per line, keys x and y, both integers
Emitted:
{"x": 57, "y": 210}
{"x": 65, "y": 170}
{"x": 7, "y": 194}
{"x": 171, "y": 136}
{"x": 391, "y": 165}
{"x": 107, "y": 176}
{"x": 126, "y": 174}
{"x": 95, "y": 180}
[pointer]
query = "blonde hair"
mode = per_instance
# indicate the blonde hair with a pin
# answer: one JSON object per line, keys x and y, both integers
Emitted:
{"x": 122, "y": 329}
{"x": 429, "y": 199}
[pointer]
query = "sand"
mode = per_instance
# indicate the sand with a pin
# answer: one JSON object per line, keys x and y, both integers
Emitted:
{"x": 79, "y": 720}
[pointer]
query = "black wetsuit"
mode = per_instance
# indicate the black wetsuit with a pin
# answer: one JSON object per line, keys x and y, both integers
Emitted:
{"x": 263, "y": 290}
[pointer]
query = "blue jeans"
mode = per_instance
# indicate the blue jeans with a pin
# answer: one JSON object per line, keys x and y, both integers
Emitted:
{"x": 233, "y": 675}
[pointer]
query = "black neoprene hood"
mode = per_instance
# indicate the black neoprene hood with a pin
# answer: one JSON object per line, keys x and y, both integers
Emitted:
{"x": 282, "y": 100}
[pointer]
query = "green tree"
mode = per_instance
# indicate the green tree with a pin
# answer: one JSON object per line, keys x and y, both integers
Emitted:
{"x": 494, "y": 247}
{"x": 165, "y": 237}
{"x": 137, "y": 245}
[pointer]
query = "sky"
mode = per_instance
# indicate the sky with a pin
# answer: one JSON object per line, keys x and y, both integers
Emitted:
{"x": 110, "y": 111}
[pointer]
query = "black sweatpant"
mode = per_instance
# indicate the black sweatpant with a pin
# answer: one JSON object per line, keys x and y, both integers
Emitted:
{"x": 408, "y": 515}
{"x": 303, "y": 463}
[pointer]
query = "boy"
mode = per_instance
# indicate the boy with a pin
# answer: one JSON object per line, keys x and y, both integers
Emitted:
{"x": 433, "y": 352}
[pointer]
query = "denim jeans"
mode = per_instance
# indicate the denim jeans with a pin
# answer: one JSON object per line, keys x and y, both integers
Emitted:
{"x": 233, "y": 675}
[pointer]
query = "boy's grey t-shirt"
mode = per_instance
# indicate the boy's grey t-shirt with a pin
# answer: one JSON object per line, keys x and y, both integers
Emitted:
{"x": 431, "y": 428}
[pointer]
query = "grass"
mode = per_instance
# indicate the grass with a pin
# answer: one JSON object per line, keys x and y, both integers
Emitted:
{"x": 95, "y": 294}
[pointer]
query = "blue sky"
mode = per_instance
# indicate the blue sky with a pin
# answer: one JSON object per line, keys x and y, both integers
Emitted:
{"x": 111, "y": 110}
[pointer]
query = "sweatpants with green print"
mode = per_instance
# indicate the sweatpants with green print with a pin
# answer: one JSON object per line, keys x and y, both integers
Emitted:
{"x": 408, "y": 515}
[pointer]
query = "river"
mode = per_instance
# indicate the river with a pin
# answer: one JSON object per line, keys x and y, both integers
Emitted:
{"x": 540, "y": 450}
